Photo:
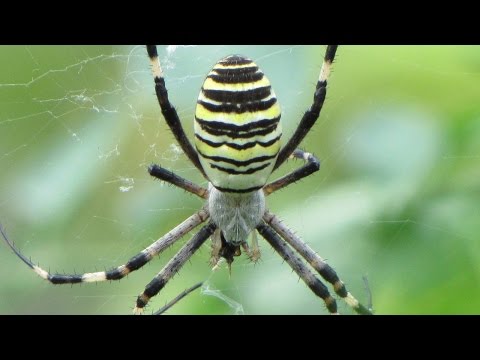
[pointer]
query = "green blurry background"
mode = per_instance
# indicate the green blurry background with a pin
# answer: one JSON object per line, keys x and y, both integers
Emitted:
{"x": 396, "y": 199}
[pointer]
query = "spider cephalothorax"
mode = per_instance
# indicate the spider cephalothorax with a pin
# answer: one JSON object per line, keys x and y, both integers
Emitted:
{"x": 237, "y": 140}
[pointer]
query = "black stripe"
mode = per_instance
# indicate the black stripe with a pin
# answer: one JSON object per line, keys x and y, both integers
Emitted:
{"x": 235, "y": 60}
{"x": 238, "y": 96}
{"x": 114, "y": 274}
{"x": 236, "y": 71}
{"x": 236, "y": 172}
{"x": 154, "y": 287}
{"x": 65, "y": 279}
{"x": 330, "y": 53}
{"x": 321, "y": 84}
{"x": 220, "y": 125}
{"x": 133, "y": 264}
{"x": 238, "y": 191}
{"x": 137, "y": 261}
{"x": 152, "y": 51}
{"x": 237, "y": 146}
{"x": 237, "y": 135}
{"x": 331, "y": 276}
{"x": 237, "y": 162}
{"x": 240, "y": 107}
{"x": 236, "y": 78}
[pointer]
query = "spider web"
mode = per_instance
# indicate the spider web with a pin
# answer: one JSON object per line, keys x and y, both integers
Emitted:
{"x": 395, "y": 199}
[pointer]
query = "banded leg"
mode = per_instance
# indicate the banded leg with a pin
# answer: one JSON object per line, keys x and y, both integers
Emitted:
{"x": 312, "y": 114}
{"x": 173, "y": 266}
{"x": 172, "y": 178}
{"x": 298, "y": 266}
{"x": 312, "y": 165}
{"x": 316, "y": 262}
{"x": 119, "y": 272}
{"x": 168, "y": 111}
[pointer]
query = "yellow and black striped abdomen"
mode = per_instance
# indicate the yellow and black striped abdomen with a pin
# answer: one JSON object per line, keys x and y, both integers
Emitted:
{"x": 237, "y": 126}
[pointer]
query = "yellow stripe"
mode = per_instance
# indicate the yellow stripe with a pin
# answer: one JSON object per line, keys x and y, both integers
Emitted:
{"x": 210, "y": 84}
{"x": 233, "y": 66}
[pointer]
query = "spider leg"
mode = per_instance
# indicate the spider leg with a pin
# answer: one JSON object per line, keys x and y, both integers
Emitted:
{"x": 298, "y": 266}
{"x": 119, "y": 272}
{"x": 177, "y": 299}
{"x": 173, "y": 266}
{"x": 312, "y": 114}
{"x": 172, "y": 178}
{"x": 315, "y": 261}
{"x": 216, "y": 247}
{"x": 253, "y": 253}
{"x": 168, "y": 111}
{"x": 312, "y": 165}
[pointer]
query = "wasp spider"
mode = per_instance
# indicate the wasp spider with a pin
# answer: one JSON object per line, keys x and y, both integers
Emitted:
{"x": 237, "y": 147}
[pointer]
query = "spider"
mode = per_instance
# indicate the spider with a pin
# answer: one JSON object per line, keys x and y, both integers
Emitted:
{"x": 237, "y": 146}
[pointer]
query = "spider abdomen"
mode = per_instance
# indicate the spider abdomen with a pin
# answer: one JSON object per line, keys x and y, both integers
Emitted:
{"x": 237, "y": 126}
